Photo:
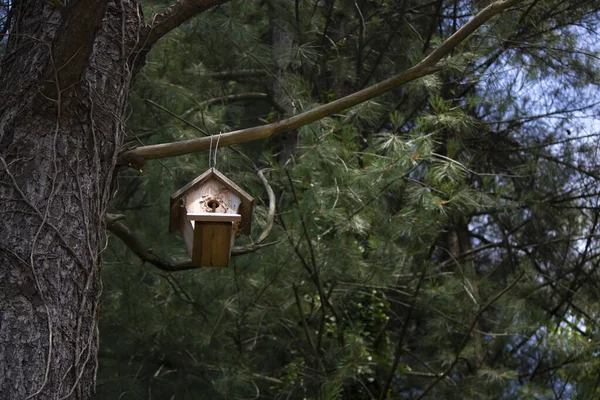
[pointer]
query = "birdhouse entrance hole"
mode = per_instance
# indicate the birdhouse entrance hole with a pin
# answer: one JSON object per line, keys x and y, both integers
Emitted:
{"x": 213, "y": 204}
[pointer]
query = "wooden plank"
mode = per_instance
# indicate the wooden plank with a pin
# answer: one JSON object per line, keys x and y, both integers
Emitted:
{"x": 213, "y": 217}
{"x": 187, "y": 231}
{"x": 212, "y": 244}
{"x": 176, "y": 217}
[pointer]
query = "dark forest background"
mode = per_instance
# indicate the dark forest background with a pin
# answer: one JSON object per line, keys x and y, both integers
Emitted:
{"x": 439, "y": 241}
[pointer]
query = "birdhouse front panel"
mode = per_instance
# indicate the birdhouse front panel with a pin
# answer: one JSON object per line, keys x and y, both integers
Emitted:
{"x": 212, "y": 196}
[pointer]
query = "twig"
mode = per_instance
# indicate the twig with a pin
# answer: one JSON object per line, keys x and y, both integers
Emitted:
{"x": 233, "y": 98}
{"x": 400, "y": 343}
{"x": 196, "y": 127}
{"x": 234, "y": 75}
{"x": 307, "y": 332}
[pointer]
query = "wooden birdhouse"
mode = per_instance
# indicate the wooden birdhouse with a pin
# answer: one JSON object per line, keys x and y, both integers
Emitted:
{"x": 210, "y": 212}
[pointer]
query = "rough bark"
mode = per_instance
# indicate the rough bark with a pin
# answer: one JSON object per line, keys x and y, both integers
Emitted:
{"x": 64, "y": 85}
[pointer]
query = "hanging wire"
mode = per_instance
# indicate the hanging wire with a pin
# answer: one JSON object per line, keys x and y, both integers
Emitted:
{"x": 216, "y": 148}
{"x": 210, "y": 151}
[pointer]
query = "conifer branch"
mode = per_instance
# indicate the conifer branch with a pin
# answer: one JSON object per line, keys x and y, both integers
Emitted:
{"x": 466, "y": 337}
{"x": 236, "y": 75}
{"x": 307, "y": 332}
{"x": 232, "y": 98}
{"x": 427, "y": 66}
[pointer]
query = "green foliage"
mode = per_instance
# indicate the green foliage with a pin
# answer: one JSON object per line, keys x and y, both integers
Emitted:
{"x": 447, "y": 229}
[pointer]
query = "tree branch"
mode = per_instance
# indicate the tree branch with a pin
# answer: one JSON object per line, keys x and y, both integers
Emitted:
{"x": 239, "y": 250}
{"x": 427, "y": 66}
{"x": 174, "y": 16}
{"x": 236, "y": 75}
{"x": 145, "y": 254}
{"x": 307, "y": 332}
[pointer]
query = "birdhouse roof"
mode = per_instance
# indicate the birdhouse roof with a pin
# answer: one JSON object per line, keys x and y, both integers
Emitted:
{"x": 246, "y": 205}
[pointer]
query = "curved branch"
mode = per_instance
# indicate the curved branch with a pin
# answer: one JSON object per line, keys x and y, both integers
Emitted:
{"x": 427, "y": 66}
{"x": 174, "y": 16}
{"x": 272, "y": 200}
{"x": 269, "y": 223}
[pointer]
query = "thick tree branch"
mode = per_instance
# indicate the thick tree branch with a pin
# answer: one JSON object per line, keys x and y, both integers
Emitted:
{"x": 118, "y": 229}
{"x": 73, "y": 44}
{"x": 174, "y": 16}
{"x": 427, "y": 66}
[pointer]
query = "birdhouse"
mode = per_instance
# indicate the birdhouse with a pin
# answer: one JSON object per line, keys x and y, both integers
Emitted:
{"x": 210, "y": 212}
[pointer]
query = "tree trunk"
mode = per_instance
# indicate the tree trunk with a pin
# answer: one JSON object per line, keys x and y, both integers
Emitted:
{"x": 459, "y": 244}
{"x": 64, "y": 84}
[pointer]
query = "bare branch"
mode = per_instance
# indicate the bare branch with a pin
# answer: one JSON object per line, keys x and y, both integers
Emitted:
{"x": 236, "y": 75}
{"x": 174, "y": 16}
{"x": 238, "y": 250}
{"x": 258, "y": 244}
{"x": 145, "y": 254}
{"x": 400, "y": 343}
{"x": 427, "y": 66}
{"x": 307, "y": 332}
